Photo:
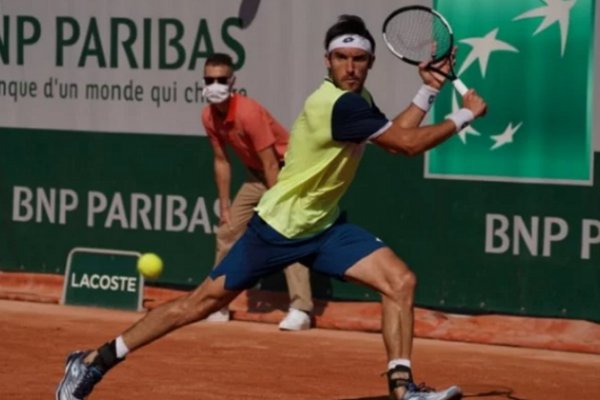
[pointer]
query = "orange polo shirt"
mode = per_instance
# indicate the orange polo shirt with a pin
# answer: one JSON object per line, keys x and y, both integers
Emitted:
{"x": 248, "y": 127}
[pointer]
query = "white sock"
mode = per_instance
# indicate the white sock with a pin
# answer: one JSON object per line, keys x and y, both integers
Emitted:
{"x": 121, "y": 348}
{"x": 399, "y": 361}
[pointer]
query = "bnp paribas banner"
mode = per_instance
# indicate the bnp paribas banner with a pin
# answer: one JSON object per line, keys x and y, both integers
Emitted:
{"x": 532, "y": 61}
{"x": 136, "y": 66}
{"x": 111, "y": 66}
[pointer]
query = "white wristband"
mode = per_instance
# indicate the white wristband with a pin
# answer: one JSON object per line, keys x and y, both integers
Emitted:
{"x": 461, "y": 118}
{"x": 425, "y": 97}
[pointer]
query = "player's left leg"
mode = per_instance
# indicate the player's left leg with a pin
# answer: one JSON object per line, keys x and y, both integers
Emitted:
{"x": 388, "y": 274}
{"x": 352, "y": 253}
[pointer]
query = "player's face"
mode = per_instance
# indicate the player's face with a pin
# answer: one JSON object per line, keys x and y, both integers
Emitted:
{"x": 348, "y": 68}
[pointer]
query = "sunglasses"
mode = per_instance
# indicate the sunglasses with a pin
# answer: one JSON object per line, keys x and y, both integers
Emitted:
{"x": 209, "y": 80}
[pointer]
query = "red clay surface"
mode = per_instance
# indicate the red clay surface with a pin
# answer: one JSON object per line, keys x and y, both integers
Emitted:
{"x": 248, "y": 360}
{"x": 262, "y": 306}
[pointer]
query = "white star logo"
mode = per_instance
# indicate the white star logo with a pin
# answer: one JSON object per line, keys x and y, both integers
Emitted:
{"x": 554, "y": 11}
{"x": 468, "y": 130}
{"x": 506, "y": 136}
{"x": 482, "y": 49}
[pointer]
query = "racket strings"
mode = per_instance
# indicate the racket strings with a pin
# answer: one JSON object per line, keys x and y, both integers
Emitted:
{"x": 418, "y": 35}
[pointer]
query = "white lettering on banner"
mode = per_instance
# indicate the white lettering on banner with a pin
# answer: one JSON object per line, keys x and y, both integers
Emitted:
{"x": 148, "y": 213}
{"x": 530, "y": 237}
{"x": 175, "y": 211}
{"x": 44, "y": 206}
{"x": 116, "y": 212}
{"x": 590, "y": 235}
{"x": 496, "y": 227}
{"x": 552, "y": 235}
{"x": 170, "y": 213}
{"x": 158, "y": 202}
{"x": 69, "y": 201}
{"x": 199, "y": 217}
{"x": 22, "y": 211}
{"x": 503, "y": 232}
{"x": 96, "y": 203}
{"x": 140, "y": 211}
{"x": 113, "y": 283}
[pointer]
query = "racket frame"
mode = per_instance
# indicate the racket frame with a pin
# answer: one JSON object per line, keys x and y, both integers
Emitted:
{"x": 458, "y": 84}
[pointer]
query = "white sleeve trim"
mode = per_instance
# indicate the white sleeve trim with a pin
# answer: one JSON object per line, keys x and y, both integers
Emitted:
{"x": 380, "y": 131}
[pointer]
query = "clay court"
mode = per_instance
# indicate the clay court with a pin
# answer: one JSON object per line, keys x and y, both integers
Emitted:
{"x": 250, "y": 360}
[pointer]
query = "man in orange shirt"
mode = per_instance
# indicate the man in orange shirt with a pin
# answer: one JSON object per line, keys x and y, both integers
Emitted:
{"x": 260, "y": 143}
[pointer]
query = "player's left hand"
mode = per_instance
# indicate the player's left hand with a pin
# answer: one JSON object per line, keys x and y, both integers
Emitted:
{"x": 432, "y": 78}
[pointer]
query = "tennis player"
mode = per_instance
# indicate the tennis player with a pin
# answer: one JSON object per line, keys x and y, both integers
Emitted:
{"x": 298, "y": 219}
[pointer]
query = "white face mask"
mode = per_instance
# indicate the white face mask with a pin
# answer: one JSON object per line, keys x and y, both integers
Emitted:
{"x": 216, "y": 93}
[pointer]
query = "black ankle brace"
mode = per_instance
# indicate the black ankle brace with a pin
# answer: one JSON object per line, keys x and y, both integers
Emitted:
{"x": 399, "y": 376}
{"x": 107, "y": 356}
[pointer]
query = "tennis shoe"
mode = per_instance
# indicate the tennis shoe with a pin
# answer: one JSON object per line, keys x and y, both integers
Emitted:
{"x": 422, "y": 392}
{"x": 79, "y": 379}
{"x": 295, "y": 320}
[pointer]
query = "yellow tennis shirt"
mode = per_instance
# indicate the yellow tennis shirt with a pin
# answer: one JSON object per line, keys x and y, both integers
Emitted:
{"x": 326, "y": 145}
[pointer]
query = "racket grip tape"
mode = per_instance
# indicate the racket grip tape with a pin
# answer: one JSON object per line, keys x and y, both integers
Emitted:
{"x": 460, "y": 87}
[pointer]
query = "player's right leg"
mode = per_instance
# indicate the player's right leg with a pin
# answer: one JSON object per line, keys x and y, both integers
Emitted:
{"x": 250, "y": 259}
{"x": 84, "y": 369}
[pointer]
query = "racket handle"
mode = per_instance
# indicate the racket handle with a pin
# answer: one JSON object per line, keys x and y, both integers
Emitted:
{"x": 460, "y": 86}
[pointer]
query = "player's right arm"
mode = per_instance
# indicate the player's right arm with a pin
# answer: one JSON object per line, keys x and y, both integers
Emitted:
{"x": 399, "y": 138}
{"x": 354, "y": 119}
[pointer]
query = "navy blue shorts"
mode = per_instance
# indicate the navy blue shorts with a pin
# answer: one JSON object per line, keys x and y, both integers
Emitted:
{"x": 263, "y": 251}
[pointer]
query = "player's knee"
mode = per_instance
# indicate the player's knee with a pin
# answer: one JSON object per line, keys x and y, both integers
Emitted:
{"x": 403, "y": 286}
{"x": 181, "y": 311}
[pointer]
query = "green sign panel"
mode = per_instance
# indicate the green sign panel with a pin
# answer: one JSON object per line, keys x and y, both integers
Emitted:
{"x": 532, "y": 62}
{"x": 103, "y": 278}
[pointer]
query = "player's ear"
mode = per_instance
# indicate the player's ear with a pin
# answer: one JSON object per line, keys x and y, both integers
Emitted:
{"x": 371, "y": 62}
{"x": 327, "y": 60}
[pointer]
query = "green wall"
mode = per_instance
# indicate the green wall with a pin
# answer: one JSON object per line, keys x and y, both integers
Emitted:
{"x": 437, "y": 226}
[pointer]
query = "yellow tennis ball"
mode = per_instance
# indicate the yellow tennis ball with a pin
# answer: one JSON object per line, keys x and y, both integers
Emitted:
{"x": 150, "y": 265}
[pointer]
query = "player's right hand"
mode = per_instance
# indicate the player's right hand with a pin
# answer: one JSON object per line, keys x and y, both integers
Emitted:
{"x": 475, "y": 103}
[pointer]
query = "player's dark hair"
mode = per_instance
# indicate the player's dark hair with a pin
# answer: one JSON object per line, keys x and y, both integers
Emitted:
{"x": 349, "y": 24}
{"x": 219, "y": 59}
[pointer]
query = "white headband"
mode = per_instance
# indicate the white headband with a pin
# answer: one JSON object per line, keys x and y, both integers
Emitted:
{"x": 350, "y": 40}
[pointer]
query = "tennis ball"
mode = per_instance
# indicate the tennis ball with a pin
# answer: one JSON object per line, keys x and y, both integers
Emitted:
{"x": 150, "y": 265}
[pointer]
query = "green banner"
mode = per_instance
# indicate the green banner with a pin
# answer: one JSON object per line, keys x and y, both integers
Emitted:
{"x": 532, "y": 61}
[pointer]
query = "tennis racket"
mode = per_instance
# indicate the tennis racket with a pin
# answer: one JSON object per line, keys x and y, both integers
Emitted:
{"x": 417, "y": 34}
